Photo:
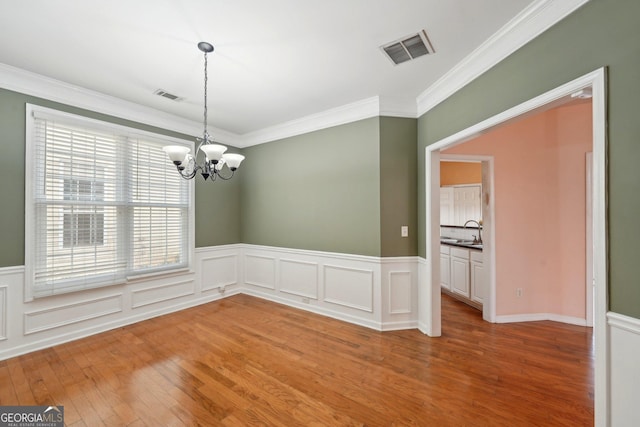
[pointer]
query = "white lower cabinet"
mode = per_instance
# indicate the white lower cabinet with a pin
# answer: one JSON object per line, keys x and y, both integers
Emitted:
{"x": 460, "y": 271}
{"x": 477, "y": 277}
{"x": 445, "y": 267}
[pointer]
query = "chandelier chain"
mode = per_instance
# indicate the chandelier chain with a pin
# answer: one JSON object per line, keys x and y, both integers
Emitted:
{"x": 206, "y": 79}
{"x": 213, "y": 156}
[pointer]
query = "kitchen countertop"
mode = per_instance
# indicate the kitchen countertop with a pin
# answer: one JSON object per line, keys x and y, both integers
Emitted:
{"x": 460, "y": 243}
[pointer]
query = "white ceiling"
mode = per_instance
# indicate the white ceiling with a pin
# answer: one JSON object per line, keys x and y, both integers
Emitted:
{"x": 274, "y": 61}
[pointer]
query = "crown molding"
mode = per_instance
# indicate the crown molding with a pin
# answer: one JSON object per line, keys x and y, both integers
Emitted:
{"x": 531, "y": 22}
{"x": 359, "y": 110}
{"x": 527, "y": 25}
{"x": 28, "y": 83}
{"x": 398, "y": 107}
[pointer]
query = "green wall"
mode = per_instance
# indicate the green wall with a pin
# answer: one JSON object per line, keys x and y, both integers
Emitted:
{"x": 218, "y": 210}
{"x": 216, "y": 222}
{"x": 398, "y": 186}
{"x": 345, "y": 189}
{"x": 601, "y": 33}
{"x": 317, "y": 191}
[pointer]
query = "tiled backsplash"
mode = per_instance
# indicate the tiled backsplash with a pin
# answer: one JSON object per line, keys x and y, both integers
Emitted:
{"x": 458, "y": 232}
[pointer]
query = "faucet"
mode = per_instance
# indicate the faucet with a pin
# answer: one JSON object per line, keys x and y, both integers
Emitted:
{"x": 479, "y": 239}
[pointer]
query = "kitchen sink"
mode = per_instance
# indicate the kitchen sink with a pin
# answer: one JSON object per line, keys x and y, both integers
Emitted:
{"x": 462, "y": 242}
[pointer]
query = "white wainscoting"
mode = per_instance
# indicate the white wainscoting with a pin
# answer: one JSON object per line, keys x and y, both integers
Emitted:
{"x": 218, "y": 272}
{"x": 45, "y": 322}
{"x": 260, "y": 270}
{"x": 299, "y": 278}
{"x": 3, "y": 313}
{"x": 624, "y": 370}
{"x": 379, "y": 293}
{"x": 65, "y": 314}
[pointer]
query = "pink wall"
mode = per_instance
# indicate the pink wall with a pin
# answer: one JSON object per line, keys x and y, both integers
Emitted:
{"x": 539, "y": 167}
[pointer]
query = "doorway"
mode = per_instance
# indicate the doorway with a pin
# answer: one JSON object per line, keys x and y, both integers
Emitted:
{"x": 430, "y": 300}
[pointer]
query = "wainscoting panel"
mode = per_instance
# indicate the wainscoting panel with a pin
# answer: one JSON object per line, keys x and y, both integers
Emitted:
{"x": 68, "y": 314}
{"x": 624, "y": 375}
{"x": 3, "y": 313}
{"x": 218, "y": 271}
{"x": 260, "y": 271}
{"x": 400, "y": 292}
{"x": 161, "y": 292}
{"x": 349, "y": 287}
{"x": 299, "y": 278}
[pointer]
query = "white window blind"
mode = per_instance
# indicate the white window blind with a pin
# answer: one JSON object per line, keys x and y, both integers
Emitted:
{"x": 104, "y": 204}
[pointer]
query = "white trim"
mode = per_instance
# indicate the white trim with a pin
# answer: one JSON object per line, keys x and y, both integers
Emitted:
{"x": 620, "y": 321}
{"x": 488, "y": 232}
{"x": 50, "y": 341}
{"x": 334, "y": 314}
{"x": 28, "y": 83}
{"x": 348, "y": 113}
{"x": 527, "y": 25}
{"x": 367, "y": 272}
{"x": 390, "y": 276}
{"x": 32, "y": 314}
{"x": 537, "y": 317}
{"x": 624, "y": 370}
{"x": 3, "y": 312}
{"x": 589, "y": 289}
{"x": 597, "y": 81}
{"x": 163, "y": 298}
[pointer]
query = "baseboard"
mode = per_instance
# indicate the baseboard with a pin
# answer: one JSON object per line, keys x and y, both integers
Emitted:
{"x": 104, "y": 327}
{"x": 315, "y": 309}
{"x": 537, "y": 317}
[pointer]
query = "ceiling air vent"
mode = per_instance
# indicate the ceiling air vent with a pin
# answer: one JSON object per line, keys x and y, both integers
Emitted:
{"x": 410, "y": 47}
{"x": 167, "y": 95}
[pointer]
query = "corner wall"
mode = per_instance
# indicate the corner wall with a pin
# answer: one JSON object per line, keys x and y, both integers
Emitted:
{"x": 600, "y": 33}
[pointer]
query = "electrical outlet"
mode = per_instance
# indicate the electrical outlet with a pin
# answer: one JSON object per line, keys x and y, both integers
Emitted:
{"x": 305, "y": 300}
{"x": 404, "y": 231}
{"x": 222, "y": 289}
{"x": 519, "y": 292}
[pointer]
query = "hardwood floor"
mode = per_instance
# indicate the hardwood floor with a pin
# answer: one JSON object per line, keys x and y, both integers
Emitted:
{"x": 244, "y": 361}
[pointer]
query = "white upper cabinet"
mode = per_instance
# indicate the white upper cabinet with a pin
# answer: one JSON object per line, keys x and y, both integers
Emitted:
{"x": 460, "y": 203}
{"x": 447, "y": 216}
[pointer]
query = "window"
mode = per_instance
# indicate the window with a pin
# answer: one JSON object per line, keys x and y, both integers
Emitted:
{"x": 82, "y": 226}
{"x": 103, "y": 204}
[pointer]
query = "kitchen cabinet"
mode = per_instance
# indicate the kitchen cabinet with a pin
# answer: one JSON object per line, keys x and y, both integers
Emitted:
{"x": 462, "y": 274}
{"x": 445, "y": 267}
{"x": 477, "y": 280}
{"x": 460, "y": 203}
{"x": 460, "y": 271}
{"x": 447, "y": 212}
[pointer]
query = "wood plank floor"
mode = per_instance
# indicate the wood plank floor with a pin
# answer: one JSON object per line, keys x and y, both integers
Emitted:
{"x": 244, "y": 361}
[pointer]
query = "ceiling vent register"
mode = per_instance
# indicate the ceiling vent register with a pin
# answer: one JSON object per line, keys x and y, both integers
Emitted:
{"x": 167, "y": 95}
{"x": 408, "y": 48}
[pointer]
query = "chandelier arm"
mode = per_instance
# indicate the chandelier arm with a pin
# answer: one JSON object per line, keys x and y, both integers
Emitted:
{"x": 189, "y": 175}
{"x": 224, "y": 178}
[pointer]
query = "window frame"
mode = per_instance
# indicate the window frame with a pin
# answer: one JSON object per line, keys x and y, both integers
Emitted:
{"x": 30, "y": 198}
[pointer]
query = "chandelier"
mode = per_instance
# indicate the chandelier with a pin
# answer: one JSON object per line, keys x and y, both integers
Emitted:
{"x": 214, "y": 156}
